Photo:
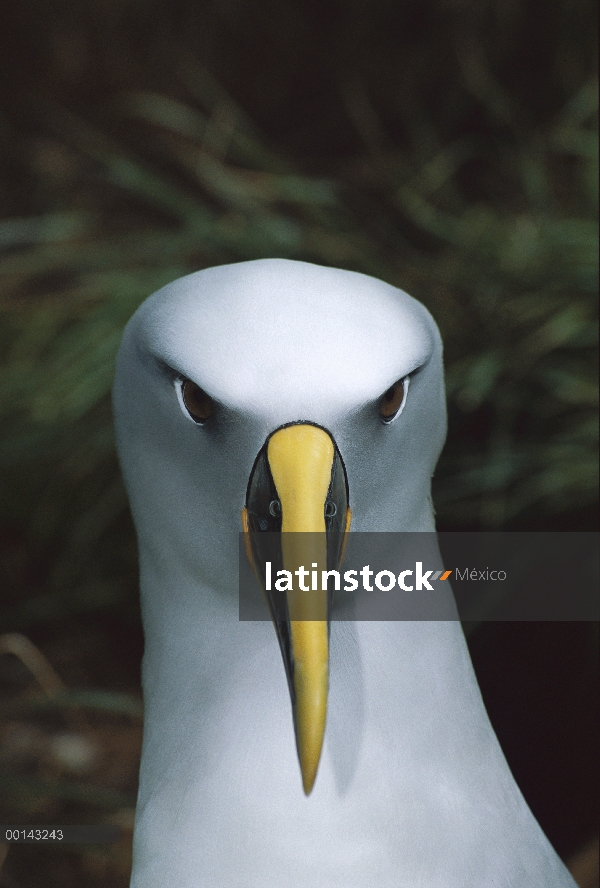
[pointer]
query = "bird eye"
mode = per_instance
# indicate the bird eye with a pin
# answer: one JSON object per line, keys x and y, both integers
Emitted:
{"x": 392, "y": 400}
{"x": 198, "y": 404}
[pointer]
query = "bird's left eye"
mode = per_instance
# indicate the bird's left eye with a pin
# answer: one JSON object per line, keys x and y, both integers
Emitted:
{"x": 393, "y": 399}
{"x": 197, "y": 403}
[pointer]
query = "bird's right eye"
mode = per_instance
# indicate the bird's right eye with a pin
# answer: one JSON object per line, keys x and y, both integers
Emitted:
{"x": 198, "y": 404}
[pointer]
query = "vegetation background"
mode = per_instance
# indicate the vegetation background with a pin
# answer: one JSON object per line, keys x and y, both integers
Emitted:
{"x": 446, "y": 146}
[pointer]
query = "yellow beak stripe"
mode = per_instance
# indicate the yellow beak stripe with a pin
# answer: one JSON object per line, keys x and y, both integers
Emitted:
{"x": 301, "y": 459}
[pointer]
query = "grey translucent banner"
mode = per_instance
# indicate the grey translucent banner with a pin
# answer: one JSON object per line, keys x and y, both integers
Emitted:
{"x": 420, "y": 576}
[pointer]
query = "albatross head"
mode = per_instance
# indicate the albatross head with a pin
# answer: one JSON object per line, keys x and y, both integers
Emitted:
{"x": 282, "y": 395}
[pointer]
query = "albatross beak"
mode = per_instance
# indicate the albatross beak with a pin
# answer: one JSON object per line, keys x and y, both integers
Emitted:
{"x": 298, "y": 488}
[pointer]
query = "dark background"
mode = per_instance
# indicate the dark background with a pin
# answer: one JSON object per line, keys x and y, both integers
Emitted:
{"x": 447, "y": 147}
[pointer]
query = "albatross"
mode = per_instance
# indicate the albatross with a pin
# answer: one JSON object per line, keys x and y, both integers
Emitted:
{"x": 364, "y": 758}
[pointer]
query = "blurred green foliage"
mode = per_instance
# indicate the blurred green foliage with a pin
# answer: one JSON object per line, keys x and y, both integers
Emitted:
{"x": 448, "y": 148}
